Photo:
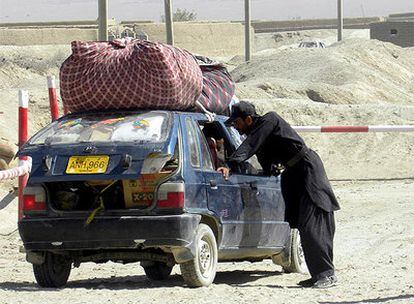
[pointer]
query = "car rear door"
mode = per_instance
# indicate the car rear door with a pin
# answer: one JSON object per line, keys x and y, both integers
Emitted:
{"x": 223, "y": 197}
{"x": 195, "y": 193}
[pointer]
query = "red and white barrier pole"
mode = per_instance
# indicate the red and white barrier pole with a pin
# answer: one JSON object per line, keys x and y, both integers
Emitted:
{"x": 25, "y": 163}
{"x": 23, "y": 133}
{"x": 354, "y": 129}
{"x": 54, "y": 106}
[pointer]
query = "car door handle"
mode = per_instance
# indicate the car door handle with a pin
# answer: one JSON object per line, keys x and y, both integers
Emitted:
{"x": 213, "y": 184}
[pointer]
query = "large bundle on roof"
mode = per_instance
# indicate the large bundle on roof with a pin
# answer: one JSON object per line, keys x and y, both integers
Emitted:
{"x": 218, "y": 87}
{"x": 126, "y": 74}
{"x": 138, "y": 74}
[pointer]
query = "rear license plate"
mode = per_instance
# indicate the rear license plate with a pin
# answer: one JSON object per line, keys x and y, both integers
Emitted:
{"x": 87, "y": 164}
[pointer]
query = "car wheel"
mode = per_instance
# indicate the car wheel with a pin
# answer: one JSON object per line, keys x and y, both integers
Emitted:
{"x": 157, "y": 271}
{"x": 297, "y": 263}
{"x": 54, "y": 272}
{"x": 201, "y": 270}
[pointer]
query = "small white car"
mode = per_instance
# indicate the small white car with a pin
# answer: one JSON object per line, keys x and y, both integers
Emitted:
{"x": 312, "y": 44}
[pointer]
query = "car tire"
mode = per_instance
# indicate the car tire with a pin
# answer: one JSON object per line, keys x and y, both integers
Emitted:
{"x": 54, "y": 272}
{"x": 201, "y": 270}
{"x": 297, "y": 259}
{"x": 158, "y": 271}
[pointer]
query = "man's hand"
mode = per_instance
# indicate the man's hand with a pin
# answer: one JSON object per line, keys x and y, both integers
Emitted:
{"x": 225, "y": 171}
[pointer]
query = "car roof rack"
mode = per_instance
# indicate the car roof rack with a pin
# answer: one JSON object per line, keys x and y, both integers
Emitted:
{"x": 210, "y": 115}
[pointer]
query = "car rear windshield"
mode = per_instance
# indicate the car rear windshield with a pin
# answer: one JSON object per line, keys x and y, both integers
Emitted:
{"x": 137, "y": 127}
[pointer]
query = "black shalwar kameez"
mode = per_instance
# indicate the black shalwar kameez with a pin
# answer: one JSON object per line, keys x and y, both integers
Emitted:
{"x": 310, "y": 201}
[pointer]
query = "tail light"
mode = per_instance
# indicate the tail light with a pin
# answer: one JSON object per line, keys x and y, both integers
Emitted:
{"x": 171, "y": 195}
{"x": 34, "y": 201}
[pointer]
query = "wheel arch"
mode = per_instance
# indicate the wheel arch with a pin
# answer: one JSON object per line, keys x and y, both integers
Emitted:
{"x": 185, "y": 254}
{"x": 214, "y": 225}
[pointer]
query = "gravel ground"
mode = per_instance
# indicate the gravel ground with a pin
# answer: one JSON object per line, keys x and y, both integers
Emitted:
{"x": 374, "y": 248}
{"x": 356, "y": 82}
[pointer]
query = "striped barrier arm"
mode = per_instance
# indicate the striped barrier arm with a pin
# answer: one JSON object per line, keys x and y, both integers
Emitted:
{"x": 25, "y": 166}
{"x": 354, "y": 129}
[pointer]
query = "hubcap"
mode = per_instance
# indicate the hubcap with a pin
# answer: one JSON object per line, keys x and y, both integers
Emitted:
{"x": 205, "y": 257}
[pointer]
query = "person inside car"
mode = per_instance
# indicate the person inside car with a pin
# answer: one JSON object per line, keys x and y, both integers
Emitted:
{"x": 310, "y": 201}
{"x": 216, "y": 144}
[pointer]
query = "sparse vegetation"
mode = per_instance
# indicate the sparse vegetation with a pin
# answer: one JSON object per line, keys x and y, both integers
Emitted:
{"x": 181, "y": 15}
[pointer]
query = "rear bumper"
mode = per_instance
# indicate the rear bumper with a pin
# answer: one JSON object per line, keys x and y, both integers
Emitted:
{"x": 123, "y": 232}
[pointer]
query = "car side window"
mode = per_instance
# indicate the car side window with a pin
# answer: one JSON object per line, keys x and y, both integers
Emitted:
{"x": 237, "y": 138}
{"x": 193, "y": 143}
{"x": 252, "y": 165}
{"x": 217, "y": 143}
{"x": 207, "y": 162}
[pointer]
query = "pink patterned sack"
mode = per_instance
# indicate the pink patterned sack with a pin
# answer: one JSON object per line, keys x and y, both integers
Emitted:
{"x": 218, "y": 89}
{"x": 125, "y": 74}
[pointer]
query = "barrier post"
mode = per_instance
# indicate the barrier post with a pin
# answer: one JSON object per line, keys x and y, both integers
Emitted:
{"x": 23, "y": 133}
{"x": 54, "y": 107}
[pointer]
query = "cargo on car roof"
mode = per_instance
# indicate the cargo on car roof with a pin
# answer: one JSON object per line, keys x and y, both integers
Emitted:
{"x": 137, "y": 74}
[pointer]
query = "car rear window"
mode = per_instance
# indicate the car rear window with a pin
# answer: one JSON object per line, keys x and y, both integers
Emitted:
{"x": 138, "y": 127}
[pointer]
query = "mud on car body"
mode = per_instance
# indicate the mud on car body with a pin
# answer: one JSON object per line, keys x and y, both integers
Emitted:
{"x": 142, "y": 187}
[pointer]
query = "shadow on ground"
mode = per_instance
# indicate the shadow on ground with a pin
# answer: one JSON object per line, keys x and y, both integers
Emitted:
{"x": 377, "y": 300}
{"x": 232, "y": 278}
{"x": 240, "y": 277}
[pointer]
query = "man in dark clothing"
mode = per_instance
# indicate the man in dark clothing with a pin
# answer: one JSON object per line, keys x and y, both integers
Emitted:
{"x": 310, "y": 201}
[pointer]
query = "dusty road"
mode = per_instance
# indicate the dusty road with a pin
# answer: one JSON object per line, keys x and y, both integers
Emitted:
{"x": 374, "y": 259}
{"x": 358, "y": 82}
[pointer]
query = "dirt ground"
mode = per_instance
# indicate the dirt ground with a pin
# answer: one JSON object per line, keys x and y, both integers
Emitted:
{"x": 356, "y": 82}
{"x": 374, "y": 257}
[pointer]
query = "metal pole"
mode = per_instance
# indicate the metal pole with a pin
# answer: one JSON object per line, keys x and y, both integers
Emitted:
{"x": 340, "y": 19}
{"x": 103, "y": 20}
{"x": 247, "y": 22}
{"x": 169, "y": 22}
